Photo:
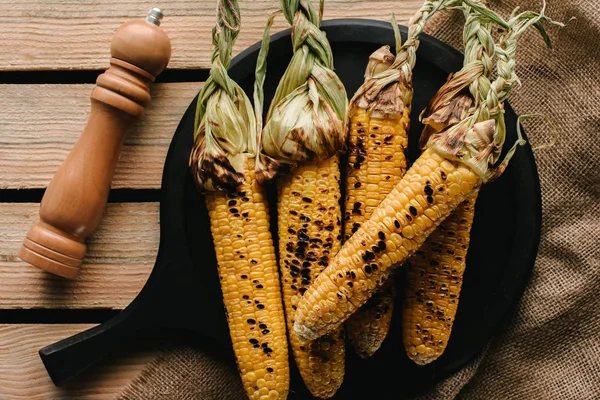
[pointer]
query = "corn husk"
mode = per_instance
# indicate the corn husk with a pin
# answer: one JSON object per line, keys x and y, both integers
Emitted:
{"x": 475, "y": 135}
{"x": 307, "y": 123}
{"x": 305, "y": 119}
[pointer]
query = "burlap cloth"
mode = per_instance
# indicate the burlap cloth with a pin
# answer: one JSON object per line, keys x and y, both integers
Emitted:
{"x": 551, "y": 348}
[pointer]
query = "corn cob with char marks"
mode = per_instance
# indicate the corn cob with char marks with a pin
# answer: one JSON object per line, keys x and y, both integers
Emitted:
{"x": 309, "y": 235}
{"x": 377, "y": 125}
{"x": 434, "y": 280}
{"x": 303, "y": 135}
{"x": 457, "y": 161}
{"x": 435, "y": 272}
{"x": 222, "y": 163}
{"x": 239, "y": 223}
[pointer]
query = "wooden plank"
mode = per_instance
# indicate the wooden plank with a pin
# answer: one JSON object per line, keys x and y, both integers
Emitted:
{"x": 39, "y": 125}
{"x": 23, "y": 375}
{"x": 76, "y": 35}
{"x": 121, "y": 254}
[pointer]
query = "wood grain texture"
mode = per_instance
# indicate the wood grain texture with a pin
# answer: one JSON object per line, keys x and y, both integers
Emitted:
{"x": 22, "y": 374}
{"x": 63, "y": 34}
{"x": 39, "y": 125}
{"x": 120, "y": 256}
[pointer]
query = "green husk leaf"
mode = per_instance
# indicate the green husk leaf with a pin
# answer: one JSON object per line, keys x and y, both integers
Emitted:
{"x": 303, "y": 126}
{"x": 265, "y": 166}
{"x": 397, "y": 35}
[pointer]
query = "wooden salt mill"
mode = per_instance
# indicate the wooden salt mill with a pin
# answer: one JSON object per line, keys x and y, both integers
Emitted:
{"x": 74, "y": 201}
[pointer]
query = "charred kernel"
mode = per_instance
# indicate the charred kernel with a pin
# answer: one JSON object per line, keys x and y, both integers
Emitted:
{"x": 381, "y": 235}
{"x": 350, "y": 284}
{"x": 374, "y": 267}
{"x": 269, "y": 369}
{"x": 256, "y": 346}
{"x": 360, "y": 159}
{"x": 413, "y": 210}
{"x": 329, "y": 228}
{"x": 339, "y": 296}
{"x": 245, "y": 198}
{"x": 253, "y": 262}
{"x": 233, "y": 210}
{"x": 397, "y": 224}
{"x": 381, "y": 245}
{"x": 375, "y": 128}
{"x": 253, "y": 341}
{"x": 294, "y": 287}
{"x": 356, "y": 165}
{"x": 296, "y": 194}
{"x": 361, "y": 130}
{"x": 245, "y": 215}
{"x": 368, "y": 256}
{"x": 303, "y": 237}
{"x": 289, "y": 247}
{"x": 429, "y": 199}
{"x": 301, "y": 290}
{"x": 375, "y": 249}
{"x": 368, "y": 269}
{"x": 352, "y": 274}
{"x": 260, "y": 306}
{"x": 244, "y": 276}
{"x": 304, "y": 218}
{"x": 443, "y": 175}
{"x": 357, "y": 185}
{"x": 255, "y": 281}
{"x": 307, "y": 200}
{"x": 251, "y": 321}
{"x": 236, "y": 215}
{"x": 232, "y": 203}
{"x": 428, "y": 190}
{"x": 267, "y": 350}
{"x": 293, "y": 212}
{"x": 265, "y": 331}
{"x": 259, "y": 286}
{"x": 245, "y": 297}
{"x": 262, "y": 326}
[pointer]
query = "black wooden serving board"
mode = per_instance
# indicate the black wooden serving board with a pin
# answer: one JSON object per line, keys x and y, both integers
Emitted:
{"x": 182, "y": 296}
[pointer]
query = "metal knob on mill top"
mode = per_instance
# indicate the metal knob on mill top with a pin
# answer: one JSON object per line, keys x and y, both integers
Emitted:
{"x": 74, "y": 201}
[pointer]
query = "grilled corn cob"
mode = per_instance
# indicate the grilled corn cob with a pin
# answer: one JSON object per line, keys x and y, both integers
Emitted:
{"x": 303, "y": 131}
{"x": 434, "y": 280}
{"x": 250, "y": 283}
{"x": 222, "y": 162}
{"x": 396, "y": 229}
{"x": 309, "y": 234}
{"x": 457, "y": 161}
{"x": 379, "y": 119}
{"x": 434, "y": 273}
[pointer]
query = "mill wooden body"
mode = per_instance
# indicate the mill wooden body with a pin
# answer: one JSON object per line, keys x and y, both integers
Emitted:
{"x": 74, "y": 201}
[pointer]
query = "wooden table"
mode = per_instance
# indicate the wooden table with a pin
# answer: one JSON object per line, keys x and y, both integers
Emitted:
{"x": 42, "y": 116}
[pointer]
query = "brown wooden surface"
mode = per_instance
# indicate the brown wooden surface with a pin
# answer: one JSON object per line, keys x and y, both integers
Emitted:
{"x": 39, "y": 124}
{"x": 65, "y": 34}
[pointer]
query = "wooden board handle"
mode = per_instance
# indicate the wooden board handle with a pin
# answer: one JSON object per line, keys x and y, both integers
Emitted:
{"x": 74, "y": 201}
